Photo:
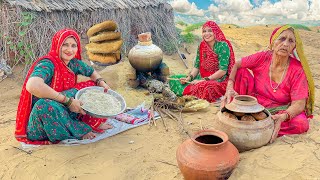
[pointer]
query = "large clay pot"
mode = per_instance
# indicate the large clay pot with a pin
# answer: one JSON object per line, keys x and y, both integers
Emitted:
{"x": 245, "y": 135}
{"x": 207, "y": 155}
{"x": 145, "y": 56}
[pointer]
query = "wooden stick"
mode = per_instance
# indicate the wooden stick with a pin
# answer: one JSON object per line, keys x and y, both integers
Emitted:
{"x": 151, "y": 112}
{"x": 177, "y": 79}
{"x": 158, "y": 109}
{"x": 28, "y": 152}
{"x": 167, "y": 163}
{"x": 165, "y": 111}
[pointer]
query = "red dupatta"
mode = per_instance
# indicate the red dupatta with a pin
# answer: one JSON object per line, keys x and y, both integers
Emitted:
{"x": 209, "y": 62}
{"x": 63, "y": 79}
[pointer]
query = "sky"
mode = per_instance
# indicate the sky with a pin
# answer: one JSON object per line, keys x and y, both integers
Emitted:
{"x": 248, "y": 12}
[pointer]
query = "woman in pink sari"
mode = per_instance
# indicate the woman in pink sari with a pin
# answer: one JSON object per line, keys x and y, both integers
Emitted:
{"x": 281, "y": 81}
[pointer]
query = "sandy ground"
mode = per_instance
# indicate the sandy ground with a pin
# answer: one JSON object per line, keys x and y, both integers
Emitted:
{"x": 152, "y": 155}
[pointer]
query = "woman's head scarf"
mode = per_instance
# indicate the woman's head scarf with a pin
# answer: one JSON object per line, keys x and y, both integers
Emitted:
{"x": 298, "y": 53}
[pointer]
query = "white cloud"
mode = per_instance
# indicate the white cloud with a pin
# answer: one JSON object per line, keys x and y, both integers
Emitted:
{"x": 314, "y": 11}
{"x": 242, "y": 12}
{"x": 187, "y": 8}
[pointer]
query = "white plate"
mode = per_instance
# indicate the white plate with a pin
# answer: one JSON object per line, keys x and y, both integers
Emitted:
{"x": 111, "y": 92}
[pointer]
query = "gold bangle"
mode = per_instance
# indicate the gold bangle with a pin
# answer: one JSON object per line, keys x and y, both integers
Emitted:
{"x": 69, "y": 102}
{"x": 231, "y": 80}
{"x": 191, "y": 76}
{"x": 98, "y": 81}
{"x": 56, "y": 97}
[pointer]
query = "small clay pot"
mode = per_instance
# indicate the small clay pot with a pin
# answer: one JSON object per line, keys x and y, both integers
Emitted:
{"x": 244, "y": 104}
{"x": 144, "y": 37}
{"x": 207, "y": 155}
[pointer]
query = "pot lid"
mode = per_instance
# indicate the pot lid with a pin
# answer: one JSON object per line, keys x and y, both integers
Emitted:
{"x": 245, "y": 104}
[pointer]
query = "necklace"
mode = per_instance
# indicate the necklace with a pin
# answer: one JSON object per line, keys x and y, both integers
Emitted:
{"x": 270, "y": 74}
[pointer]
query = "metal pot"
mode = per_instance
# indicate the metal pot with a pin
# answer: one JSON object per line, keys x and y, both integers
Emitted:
{"x": 145, "y": 56}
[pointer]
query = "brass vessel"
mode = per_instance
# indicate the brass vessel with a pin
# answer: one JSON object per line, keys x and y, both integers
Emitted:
{"x": 145, "y": 56}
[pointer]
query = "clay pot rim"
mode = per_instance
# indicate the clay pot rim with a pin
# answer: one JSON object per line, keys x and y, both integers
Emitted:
{"x": 244, "y": 106}
{"x": 214, "y": 132}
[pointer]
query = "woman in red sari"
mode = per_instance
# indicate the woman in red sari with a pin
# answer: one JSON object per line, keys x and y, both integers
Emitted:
{"x": 209, "y": 76}
{"x": 281, "y": 82}
{"x": 47, "y": 111}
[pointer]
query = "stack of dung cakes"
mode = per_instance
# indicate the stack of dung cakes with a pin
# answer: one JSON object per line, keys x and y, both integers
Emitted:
{"x": 105, "y": 43}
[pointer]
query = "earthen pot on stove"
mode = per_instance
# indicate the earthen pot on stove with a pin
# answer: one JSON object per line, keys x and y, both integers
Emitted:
{"x": 145, "y": 56}
{"x": 207, "y": 155}
{"x": 245, "y": 135}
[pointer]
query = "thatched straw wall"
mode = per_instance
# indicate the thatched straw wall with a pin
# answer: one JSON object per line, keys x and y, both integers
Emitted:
{"x": 26, "y": 27}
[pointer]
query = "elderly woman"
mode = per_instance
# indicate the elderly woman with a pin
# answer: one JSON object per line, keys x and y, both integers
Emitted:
{"x": 281, "y": 82}
{"x": 47, "y": 112}
{"x": 209, "y": 76}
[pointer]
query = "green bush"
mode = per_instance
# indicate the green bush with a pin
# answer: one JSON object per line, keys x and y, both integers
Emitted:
{"x": 178, "y": 31}
{"x": 193, "y": 27}
{"x": 188, "y": 38}
{"x": 237, "y": 26}
{"x": 300, "y": 26}
{"x": 182, "y": 23}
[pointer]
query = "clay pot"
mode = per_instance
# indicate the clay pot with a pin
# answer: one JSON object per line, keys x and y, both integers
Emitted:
{"x": 207, "y": 155}
{"x": 246, "y": 135}
{"x": 145, "y": 56}
{"x": 244, "y": 104}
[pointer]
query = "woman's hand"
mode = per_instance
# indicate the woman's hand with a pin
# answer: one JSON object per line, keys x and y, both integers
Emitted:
{"x": 197, "y": 81}
{"x": 185, "y": 80}
{"x": 104, "y": 85}
{"x": 75, "y": 106}
{"x": 278, "y": 119}
{"x": 228, "y": 96}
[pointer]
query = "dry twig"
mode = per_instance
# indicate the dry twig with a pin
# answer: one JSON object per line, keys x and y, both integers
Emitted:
{"x": 167, "y": 163}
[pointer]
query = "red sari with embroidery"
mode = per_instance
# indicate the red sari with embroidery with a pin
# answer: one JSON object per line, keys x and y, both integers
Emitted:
{"x": 63, "y": 79}
{"x": 209, "y": 64}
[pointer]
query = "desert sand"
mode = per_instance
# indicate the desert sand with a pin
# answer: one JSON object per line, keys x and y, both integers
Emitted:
{"x": 152, "y": 153}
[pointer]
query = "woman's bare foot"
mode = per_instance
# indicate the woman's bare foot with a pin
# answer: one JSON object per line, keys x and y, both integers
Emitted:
{"x": 105, "y": 126}
{"x": 90, "y": 135}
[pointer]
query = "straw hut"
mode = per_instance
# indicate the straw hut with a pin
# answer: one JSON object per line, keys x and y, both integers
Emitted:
{"x": 27, "y": 26}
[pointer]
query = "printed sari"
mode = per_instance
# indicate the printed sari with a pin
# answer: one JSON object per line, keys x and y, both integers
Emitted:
{"x": 209, "y": 61}
{"x": 45, "y": 121}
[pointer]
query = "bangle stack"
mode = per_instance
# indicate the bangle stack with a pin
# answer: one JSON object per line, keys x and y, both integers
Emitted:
{"x": 207, "y": 78}
{"x": 68, "y": 101}
{"x": 99, "y": 80}
{"x": 191, "y": 77}
{"x": 288, "y": 115}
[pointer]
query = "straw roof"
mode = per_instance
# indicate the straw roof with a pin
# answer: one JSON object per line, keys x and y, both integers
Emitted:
{"x": 82, "y": 5}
